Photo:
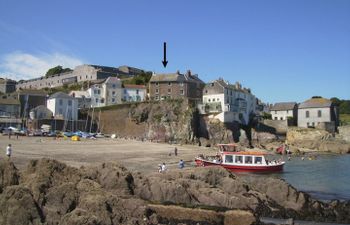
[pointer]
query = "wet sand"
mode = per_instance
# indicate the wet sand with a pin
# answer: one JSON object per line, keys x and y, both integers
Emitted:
{"x": 135, "y": 155}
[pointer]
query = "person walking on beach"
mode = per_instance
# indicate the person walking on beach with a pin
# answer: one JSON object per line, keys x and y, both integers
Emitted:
{"x": 175, "y": 151}
{"x": 9, "y": 151}
{"x": 164, "y": 168}
{"x": 181, "y": 164}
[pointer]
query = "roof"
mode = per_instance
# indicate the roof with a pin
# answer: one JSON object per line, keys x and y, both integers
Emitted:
{"x": 258, "y": 153}
{"x": 9, "y": 101}
{"x": 134, "y": 86}
{"x": 31, "y": 92}
{"x": 175, "y": 77}
{"x": 40, "y": 107}
{"x": 316, "y": 103}
{"x": 281, "y": 106}
{"x": 59, "y": 95}
{"x": 112, "y": 80}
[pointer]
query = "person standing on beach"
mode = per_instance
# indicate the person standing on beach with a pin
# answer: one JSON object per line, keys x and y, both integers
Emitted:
{"x": 175, "y": 151}
{"x": 181, "y": 164}
{"x": 9, "y": 151}
{"x": 164, "y": 168}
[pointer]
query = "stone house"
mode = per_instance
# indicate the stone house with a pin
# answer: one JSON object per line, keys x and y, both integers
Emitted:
{"x": 84, "y": 99}
{"x": 109, "y": 92}
{"x": 40, "y": 112}
{"x": 63, "y": 106}
{"x": 7, "y": 85}
{"x": 176, "y": 85}
{"x": 134, "y": 93}
{"x": 284, "y": 110}
{"x": 228, "y": 102}
{"x": 318, "y": 112}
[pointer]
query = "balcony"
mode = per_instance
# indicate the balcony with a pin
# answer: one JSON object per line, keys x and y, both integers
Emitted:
{"x": 212, "y": 107}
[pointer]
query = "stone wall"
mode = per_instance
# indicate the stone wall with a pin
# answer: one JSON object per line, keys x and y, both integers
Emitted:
{"x": 273, "y": 126}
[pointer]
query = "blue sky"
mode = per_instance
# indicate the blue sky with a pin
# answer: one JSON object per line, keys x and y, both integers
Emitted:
{"x": 282, "y": 50}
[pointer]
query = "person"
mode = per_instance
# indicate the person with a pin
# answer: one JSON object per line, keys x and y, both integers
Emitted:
{"x": 9, "y": 151}
{"x": 175, "y": 151}
{"x": 159, "y": 168}
{"x": 181, "y": 164}
{"x": 164, "y": 168}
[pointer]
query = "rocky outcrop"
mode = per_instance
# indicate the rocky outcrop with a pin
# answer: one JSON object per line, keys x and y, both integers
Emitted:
{"x": 50, "y": 192}
{"x": 317, "y": 139}
{"x": 9, "y": 174}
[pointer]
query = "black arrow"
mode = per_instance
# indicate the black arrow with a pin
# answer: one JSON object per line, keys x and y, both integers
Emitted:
{"x": 165, "y": 62}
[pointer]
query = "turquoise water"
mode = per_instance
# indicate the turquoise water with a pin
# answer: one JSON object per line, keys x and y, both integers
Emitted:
{"x": 326, "y": 178}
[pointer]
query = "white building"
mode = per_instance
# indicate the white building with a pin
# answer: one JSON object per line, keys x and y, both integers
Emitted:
{"x": 84, "y": 99}
{"x": 315, "y": 111}
{"x": 134, "y": 93}
{"x": 107, "y": 93}
{"x": 227, "y": 102}
{"x": 284, "y": 110}
{"x": 63, "y": 106}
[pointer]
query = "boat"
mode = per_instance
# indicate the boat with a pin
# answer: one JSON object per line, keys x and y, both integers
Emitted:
{"x": 241, "y": 161}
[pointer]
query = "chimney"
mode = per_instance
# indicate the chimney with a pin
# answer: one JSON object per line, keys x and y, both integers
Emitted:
{"x": 188, "y": 73}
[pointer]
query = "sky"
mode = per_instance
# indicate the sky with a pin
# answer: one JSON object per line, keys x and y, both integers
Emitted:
{"x": 283, "y": 50}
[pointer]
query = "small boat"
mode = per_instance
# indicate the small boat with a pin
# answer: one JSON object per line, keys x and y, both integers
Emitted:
{"x": 241, "y": 161}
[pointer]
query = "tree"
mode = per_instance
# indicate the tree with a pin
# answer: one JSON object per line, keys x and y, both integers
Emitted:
{"x": 336, "y": 101}
{"x": 344, "y": 107}
{"x": 56, "y": 70}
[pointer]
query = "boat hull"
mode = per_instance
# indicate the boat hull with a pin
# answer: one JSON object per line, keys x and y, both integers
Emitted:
{"x": 238, "y": 168}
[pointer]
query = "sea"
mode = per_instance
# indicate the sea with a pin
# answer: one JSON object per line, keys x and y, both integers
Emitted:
{"x": 325, "y": 178}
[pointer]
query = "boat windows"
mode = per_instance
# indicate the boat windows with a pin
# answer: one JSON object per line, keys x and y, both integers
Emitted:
{"x": 258, "y": 160}
{"x": 228, "y": 159}
{"x": 238, "y": 159}
{"x": 248, "y": 160}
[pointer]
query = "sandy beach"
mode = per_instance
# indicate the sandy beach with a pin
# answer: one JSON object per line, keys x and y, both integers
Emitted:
{"x": 135, "y": 155}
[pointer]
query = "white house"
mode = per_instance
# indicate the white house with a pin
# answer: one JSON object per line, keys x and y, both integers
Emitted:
{"x": 134, "y": 93}
{"x": 84, "y": 99}
{"x": 317, "y": 111}
{"x": 40, "y": 112}
{"x": 107, "y": 93}
{"x": 227, "y": 102}
{"x": 284, "y": 110}
{"x": 63, "y": 106}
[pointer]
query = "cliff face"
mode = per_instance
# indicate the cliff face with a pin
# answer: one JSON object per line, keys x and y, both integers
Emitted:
{"x": 171, "y": 120}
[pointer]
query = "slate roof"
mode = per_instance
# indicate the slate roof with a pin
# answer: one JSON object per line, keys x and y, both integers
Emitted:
{"x": 282, "y": 106}
{"x": 316, "y": 103}
{"x": 60, "y": 95}
{"x": 174, "y": 77}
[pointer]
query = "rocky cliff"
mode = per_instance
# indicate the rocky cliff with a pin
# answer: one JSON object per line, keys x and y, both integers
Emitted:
{"x": 50, "y": 192}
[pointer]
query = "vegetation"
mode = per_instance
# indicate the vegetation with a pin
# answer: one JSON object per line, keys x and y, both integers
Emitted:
{"x": 344, "y": 105}
{"x": 57, "y": 70}
{"x": 65, "y": 88}
{"x": 267, "y": 116}
{"x": 141, "y": 79}
{"x": 344, "y": 119}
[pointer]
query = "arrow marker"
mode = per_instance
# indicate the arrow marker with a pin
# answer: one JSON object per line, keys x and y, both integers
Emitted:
{"x": 165, "y": 62}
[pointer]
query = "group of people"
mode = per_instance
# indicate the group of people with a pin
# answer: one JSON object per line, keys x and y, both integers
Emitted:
{"x": 163, "y": 168}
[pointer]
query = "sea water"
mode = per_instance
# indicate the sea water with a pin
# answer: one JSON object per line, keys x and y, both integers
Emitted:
{"x": 326, "y": 178}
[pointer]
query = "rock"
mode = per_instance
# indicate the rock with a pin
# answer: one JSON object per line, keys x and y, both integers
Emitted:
{"x": 17, "y": 206}
{"x": 9, "y": 174}
{"x": 80, "y": 217}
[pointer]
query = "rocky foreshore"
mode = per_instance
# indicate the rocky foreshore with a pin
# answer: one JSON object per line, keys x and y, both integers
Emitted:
{"x": 50, "y": 192}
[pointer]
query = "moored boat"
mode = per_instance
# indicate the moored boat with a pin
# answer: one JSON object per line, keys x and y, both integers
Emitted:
{"x": 241, "y": 161}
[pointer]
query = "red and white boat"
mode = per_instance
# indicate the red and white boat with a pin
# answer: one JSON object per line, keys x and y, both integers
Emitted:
{"x": 241, "y": 161}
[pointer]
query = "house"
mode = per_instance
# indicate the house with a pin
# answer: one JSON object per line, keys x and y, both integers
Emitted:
{"x": 63, "y": 106}
{"x": 108, "y": 92}
{"x": 9, "y": 111}
{"x": 134, "y": 93}
{"x": 228, "y": 102}
{"x": 40, "y": 112}
{"x": 176, "y": 85}
{"x": 84, "y": 99}
{"x": 7, "y": 85}
{"x": 284, "y": 110}
{"x": 318, "y": 111}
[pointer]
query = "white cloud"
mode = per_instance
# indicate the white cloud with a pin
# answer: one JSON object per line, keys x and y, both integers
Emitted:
{"x": 19, "y": 65}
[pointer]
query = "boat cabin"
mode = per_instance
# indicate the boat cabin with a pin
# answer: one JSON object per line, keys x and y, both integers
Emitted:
{"x": 244, "y": 158}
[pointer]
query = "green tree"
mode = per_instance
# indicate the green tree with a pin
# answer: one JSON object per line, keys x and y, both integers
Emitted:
{"x": 56, "y": 70}
{"x": 344, "y": 107}
{"x": 336, "y": 101}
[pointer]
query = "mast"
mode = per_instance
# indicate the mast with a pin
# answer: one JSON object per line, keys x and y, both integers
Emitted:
{"x": 92, "y": 117}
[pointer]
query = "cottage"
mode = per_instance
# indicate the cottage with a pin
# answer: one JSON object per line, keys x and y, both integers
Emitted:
{"x": 109, "y": 92}
{"x": 40, "y": 112}
{"x": 227, "y": 102}
{"x": 284, "y": 110}
{"x": 134, "y": 93}
{"x": 63, "y": 106}
{"x": 318, "y": 112}
{"x": 176, "y": 85}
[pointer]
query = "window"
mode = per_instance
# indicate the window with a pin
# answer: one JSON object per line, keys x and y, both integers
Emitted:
{"x": 218, "y": 99}
{"x": 80, "y": 77}
{"x": 157, "y": 90}
{"x": 113, "y": 99}
{"x": 307, "y": 124}
{"x": 96, "y": 100}
{"x": 248, "y": 160}
{"x": 169, "y": 90}
{"x": 313, "y": 124}
{"x": 307, "y": 114}
{"x": 99, "y": 91}
{"x": 319, "y": 113}
{"x": 181, "y": 84}
{"x": 239, "y": 159}
{"x": 157, "y": 84}
{"x": 102, "y": 100}
{"x": 60, "y": 111}
{"x": 125, "y": 91}
{"x": 169, "y": 83}
{"x": 86, "y": 76}
{"x": 213, "y": 99}
{"x": 275, "y": 112}
{"x": 181, "y": 92}
{"x": 58, "y": 81}
{"x": 70, "y": 102}
{"x": 228, "y": 158}
{"x": 206, "y": 91}
{"x": 137, "y": 92}
{"x": 113, "y": 93}
{"x": 209, "y": 100}
{"x": 257, "y": 160}
{"x": 61, "y": 102}
{"x": 281, "y": 118}
{"x": 157, "y": 97}
{"x": 113, "y": 85}
{"x": 287, "y": 111}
